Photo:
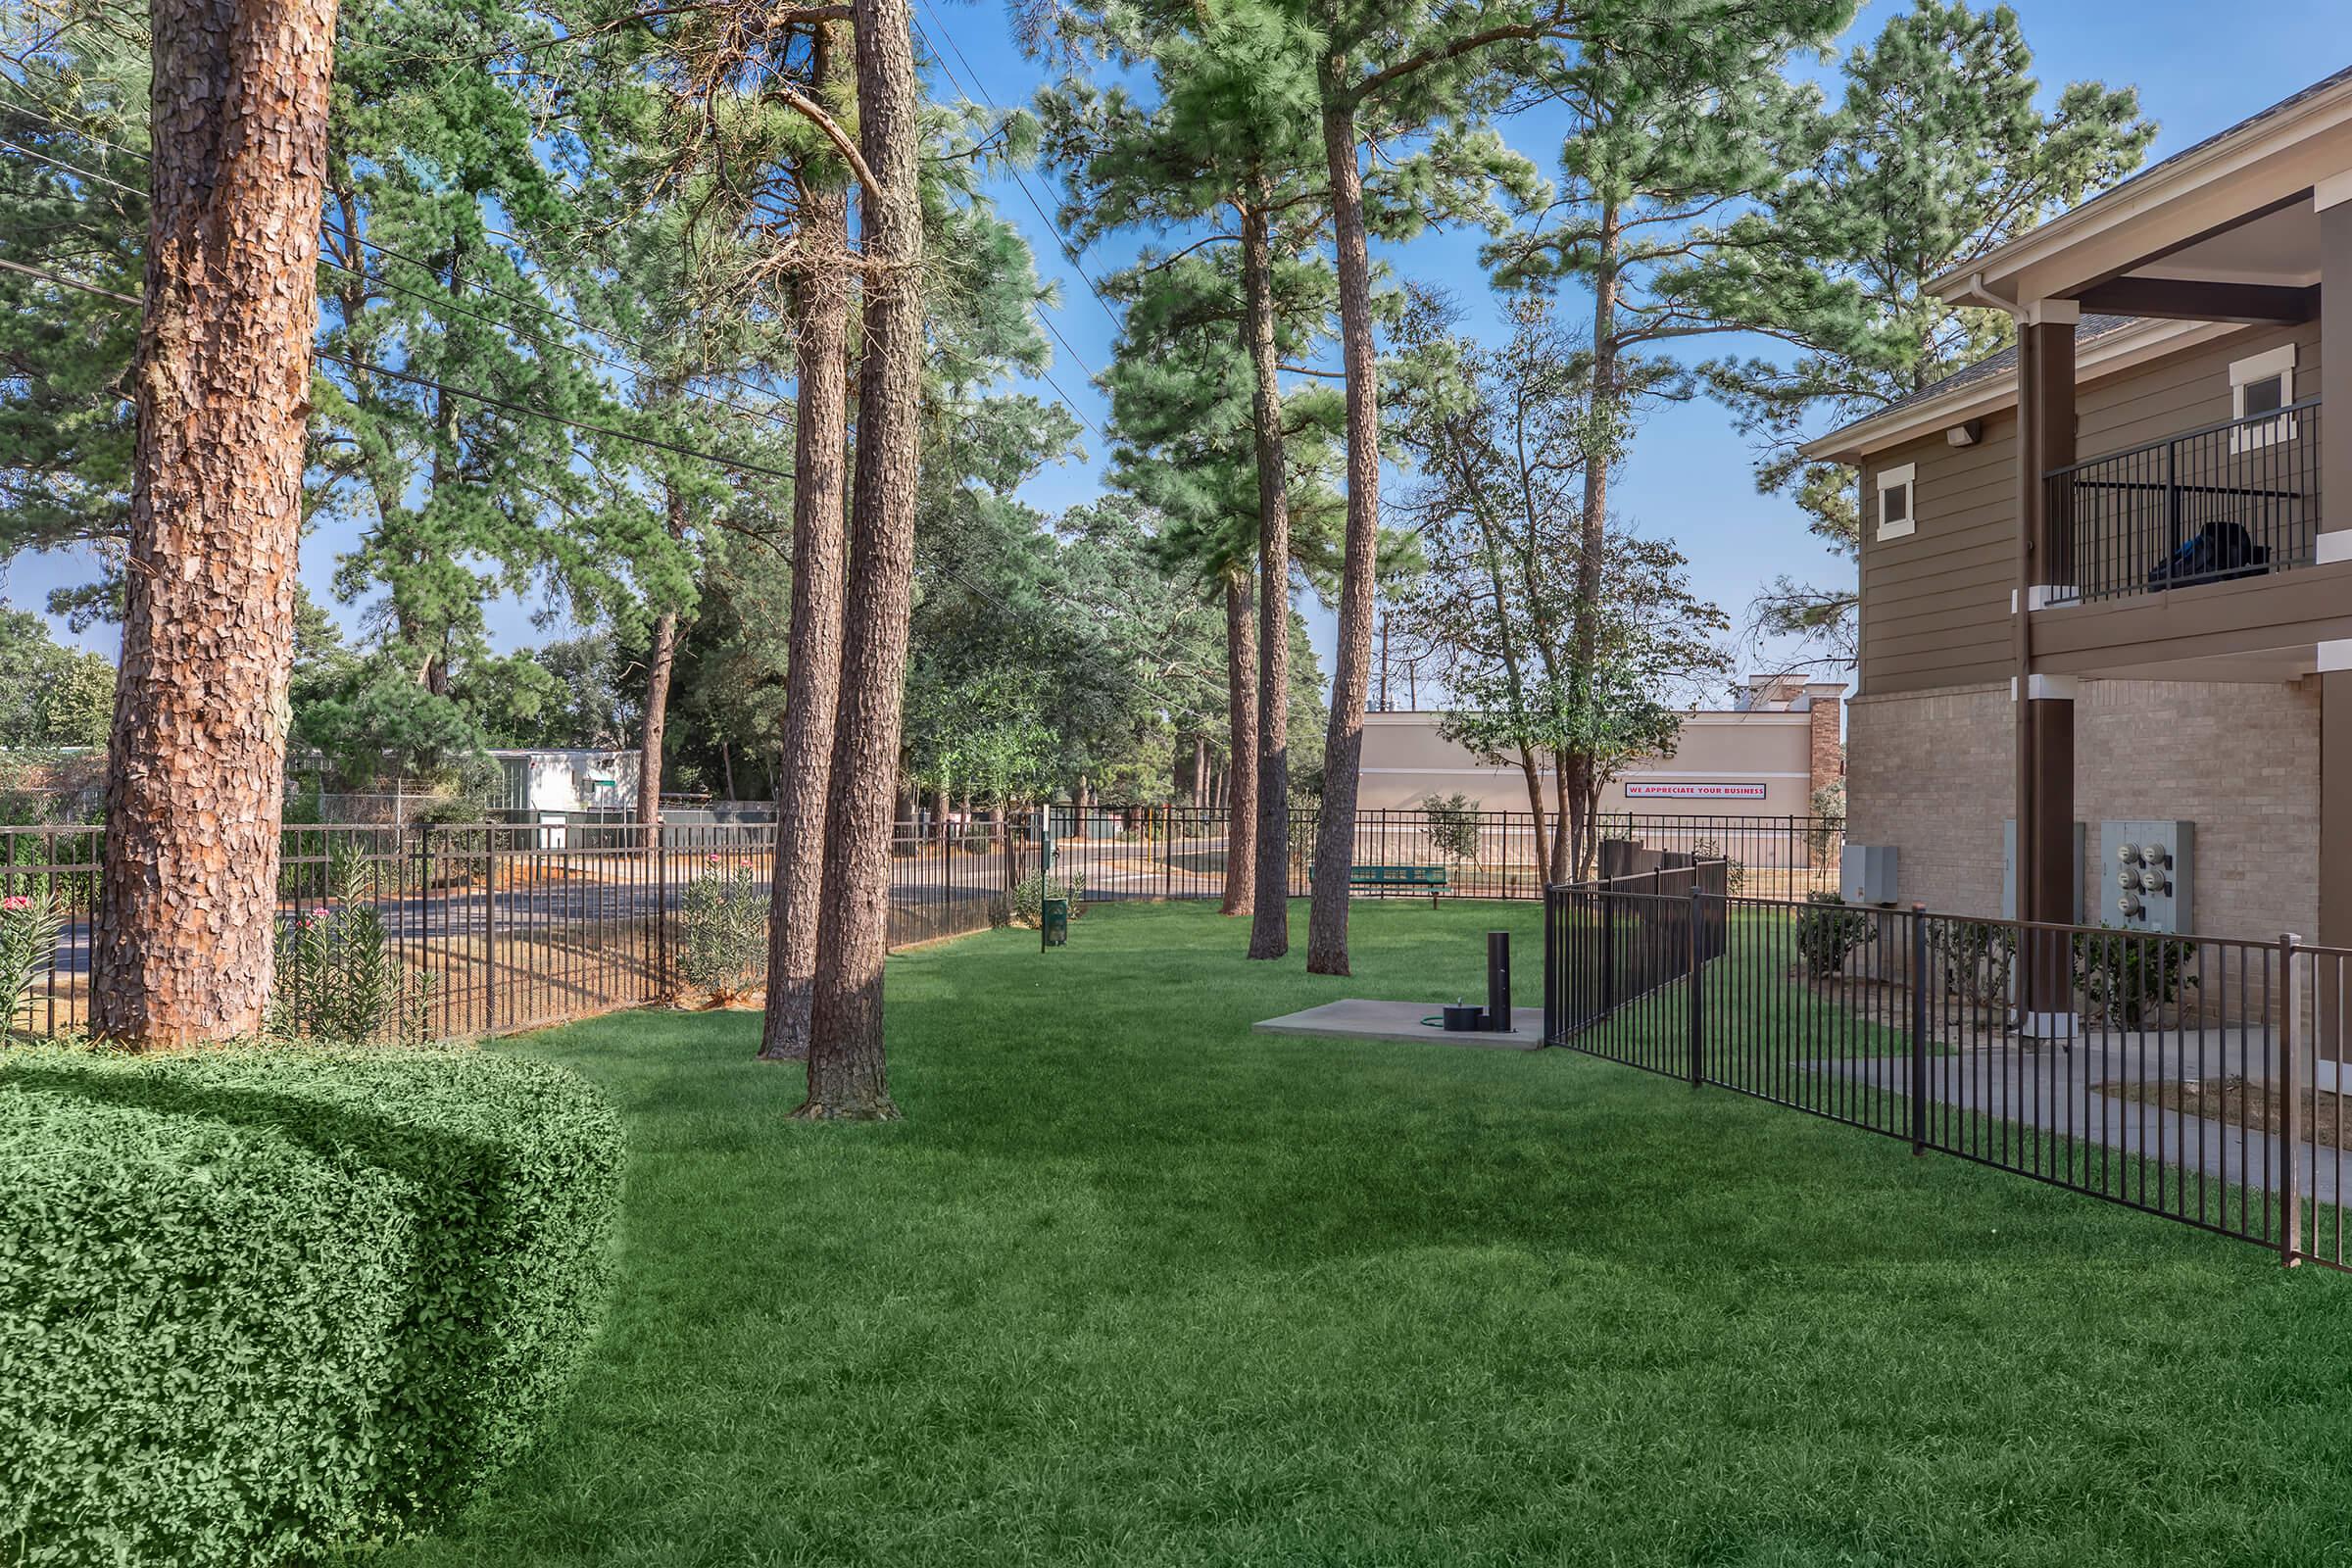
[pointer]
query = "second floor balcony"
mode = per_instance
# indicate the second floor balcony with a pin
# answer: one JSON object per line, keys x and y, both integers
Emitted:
{"x": 2228, "y": 501}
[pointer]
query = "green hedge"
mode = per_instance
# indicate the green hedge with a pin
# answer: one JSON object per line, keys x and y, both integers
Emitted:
{"x": 258, "y": 1303}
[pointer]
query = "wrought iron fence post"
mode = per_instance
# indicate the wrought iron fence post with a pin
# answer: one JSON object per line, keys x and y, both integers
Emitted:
{"x": 1695, "y": 991}
{"x": 1919, "y": 1029}
{"x": 2291, "y": 1096}
{"x": 489, "y": 930}
{"x": 1551, "y": 970}
{"x": 661, "y": 850}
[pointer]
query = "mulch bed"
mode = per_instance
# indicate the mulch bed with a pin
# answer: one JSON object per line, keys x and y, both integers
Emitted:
{"x": 2235, "y": 1103}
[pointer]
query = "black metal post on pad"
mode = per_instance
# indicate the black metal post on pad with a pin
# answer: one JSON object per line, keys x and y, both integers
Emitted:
{"x": 1498, "y": 982}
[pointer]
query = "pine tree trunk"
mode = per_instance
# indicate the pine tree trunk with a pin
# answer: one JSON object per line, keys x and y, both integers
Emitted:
{"x": 1343, "y": 747}
{"x": 846, "y": 1066}
{"x": 1270, "y": 925}
{"x": 1241, "y": 718}
{"x": 660, "y": 663}
{"x": 812, "y": 679}
{"x": 185, "y": 924}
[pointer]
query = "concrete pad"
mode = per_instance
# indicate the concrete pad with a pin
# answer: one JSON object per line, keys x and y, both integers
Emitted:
{"x": 1402, "y": 1020}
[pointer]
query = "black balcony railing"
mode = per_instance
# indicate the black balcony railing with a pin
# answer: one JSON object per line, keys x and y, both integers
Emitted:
{"x": 2233, "y": 500}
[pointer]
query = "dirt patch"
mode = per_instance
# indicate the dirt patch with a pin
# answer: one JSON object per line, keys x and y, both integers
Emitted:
{"x": 1888, "y": 1004}
{"x": 2235, "y": 1103}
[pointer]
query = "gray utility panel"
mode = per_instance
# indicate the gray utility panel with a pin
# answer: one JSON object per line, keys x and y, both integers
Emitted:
{"x": 2009, "y": 872}
{"x": 1866, "y": 873}
{"x": 2148, "y": 872}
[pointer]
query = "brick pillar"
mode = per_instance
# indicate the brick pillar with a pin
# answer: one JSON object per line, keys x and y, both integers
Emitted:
{"x": 1825, "y": 758}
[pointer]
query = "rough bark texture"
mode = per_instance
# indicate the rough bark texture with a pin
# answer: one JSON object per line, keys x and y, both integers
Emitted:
{"x": 660, "y": 663}
{"x": 1270, "y": 925}
{"x": 813, "y": 681}
{"x": 846, "y": 1076}
{"x": 196, "y": 766}
{"x": 1343, "y": 748}
{"x": 1241, "y": 716}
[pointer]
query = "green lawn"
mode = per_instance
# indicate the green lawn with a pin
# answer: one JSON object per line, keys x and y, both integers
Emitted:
{"x": 1134, "y": 1286}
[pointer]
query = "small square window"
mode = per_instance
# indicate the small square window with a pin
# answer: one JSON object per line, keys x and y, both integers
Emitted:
{"x": 2266, "y": 396}
{"x": 1896, "y": 512}
{"x": 2261, "y": 386}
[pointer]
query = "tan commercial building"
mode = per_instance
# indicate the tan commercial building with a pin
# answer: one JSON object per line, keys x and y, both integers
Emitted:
{"x": 1764, "y": 757}
{"x": 2106, "y": 574}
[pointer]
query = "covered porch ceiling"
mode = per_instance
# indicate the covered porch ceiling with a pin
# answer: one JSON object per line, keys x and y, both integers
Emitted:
{"x": 2262, "y": 267}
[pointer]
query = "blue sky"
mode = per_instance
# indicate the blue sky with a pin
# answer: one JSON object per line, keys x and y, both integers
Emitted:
{"x": 1689, "y": 474}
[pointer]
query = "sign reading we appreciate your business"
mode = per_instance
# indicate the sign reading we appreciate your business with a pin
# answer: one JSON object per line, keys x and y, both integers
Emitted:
{"x": 1641, "y": 789}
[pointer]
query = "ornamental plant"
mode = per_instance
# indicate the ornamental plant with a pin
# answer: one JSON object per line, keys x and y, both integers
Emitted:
{"x": 29, "y": 926}
{"x": 340, "y": 979}
{"x": 722, "y": 919}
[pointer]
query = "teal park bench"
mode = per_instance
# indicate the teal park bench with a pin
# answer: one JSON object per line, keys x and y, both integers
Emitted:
{"x": 1432, "y": 877}
{"x": 1397, "y": 876}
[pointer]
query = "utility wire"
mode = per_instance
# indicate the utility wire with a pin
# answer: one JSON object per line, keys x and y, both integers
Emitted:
{"x": 979, "y": 89}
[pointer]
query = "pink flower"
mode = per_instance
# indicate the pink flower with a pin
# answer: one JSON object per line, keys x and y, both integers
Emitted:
{"x": 12, "y": 905}
{"x": 321, "y": 912}
{"x": 714, "y": 858}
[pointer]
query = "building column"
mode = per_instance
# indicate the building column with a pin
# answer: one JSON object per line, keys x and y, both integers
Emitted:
{"x": 2045, "y": 705}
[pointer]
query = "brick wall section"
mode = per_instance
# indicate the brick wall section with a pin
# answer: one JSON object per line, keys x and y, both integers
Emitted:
{"x": 1826, "y": 759}
{"x": 1932, "y": 773}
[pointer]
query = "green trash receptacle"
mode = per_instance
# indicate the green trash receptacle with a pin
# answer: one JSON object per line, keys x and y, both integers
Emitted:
{"x": 1054, "y": 924}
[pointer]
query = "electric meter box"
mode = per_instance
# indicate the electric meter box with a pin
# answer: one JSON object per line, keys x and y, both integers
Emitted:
{"x": 1866, "y": 873}
{"x": 2009, "y": 872}
{"x": 2147, "y": 874}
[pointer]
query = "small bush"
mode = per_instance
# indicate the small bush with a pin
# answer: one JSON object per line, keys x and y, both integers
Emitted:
{"x": 723, "y": 930}
{"x": 2127, "y": 978}
{"x": 1735, "y": 872}
{"x": 1027, "y": 902}
{"x": 1977, "y": 955}
{"x": 1452, "y": 825}
{"x": 1830, "y": 932}
{"x": 264, "y": 1302}
{"x": 339, "y": 980}
{"x": 29, "y": 926}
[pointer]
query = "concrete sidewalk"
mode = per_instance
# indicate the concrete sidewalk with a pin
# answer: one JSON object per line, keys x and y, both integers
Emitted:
{"x": 2055, "y": 1089}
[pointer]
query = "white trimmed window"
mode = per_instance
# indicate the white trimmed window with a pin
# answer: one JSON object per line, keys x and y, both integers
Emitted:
{"x": 1897, "y": 502}
{"x": 2262, "y": 384}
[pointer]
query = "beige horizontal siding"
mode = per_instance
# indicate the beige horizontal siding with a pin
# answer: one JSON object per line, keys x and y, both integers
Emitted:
{"x": 1935, "y": 606}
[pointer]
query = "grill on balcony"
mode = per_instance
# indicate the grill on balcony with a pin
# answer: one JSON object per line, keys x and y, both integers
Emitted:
{"x": 2233, "y": 500}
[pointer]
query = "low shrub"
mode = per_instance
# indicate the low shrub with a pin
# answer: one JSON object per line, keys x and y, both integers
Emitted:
{"x": 1828, "y": 932}
{"x": 264, "y": 1302}
{"x": 722, "y": 919}
{"x": 338, "y": 976}
{"x": 2128, "y": 978}
{"x": 1026, "y": 905}
{"x": 29, "y": 926}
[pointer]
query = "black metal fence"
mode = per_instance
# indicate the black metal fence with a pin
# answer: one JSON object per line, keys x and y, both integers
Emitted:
{"x": 493, "y": 927}
{"x": 2196, "y": 1078}
{"x": 2232, "y": 499}
{"x": 489, "y": 928}
{"x": 1163, "y": 852}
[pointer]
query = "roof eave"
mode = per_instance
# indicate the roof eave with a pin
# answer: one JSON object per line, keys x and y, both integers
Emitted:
{"x": 2151, "y": 188}
{"x": 2119, "y": 350}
